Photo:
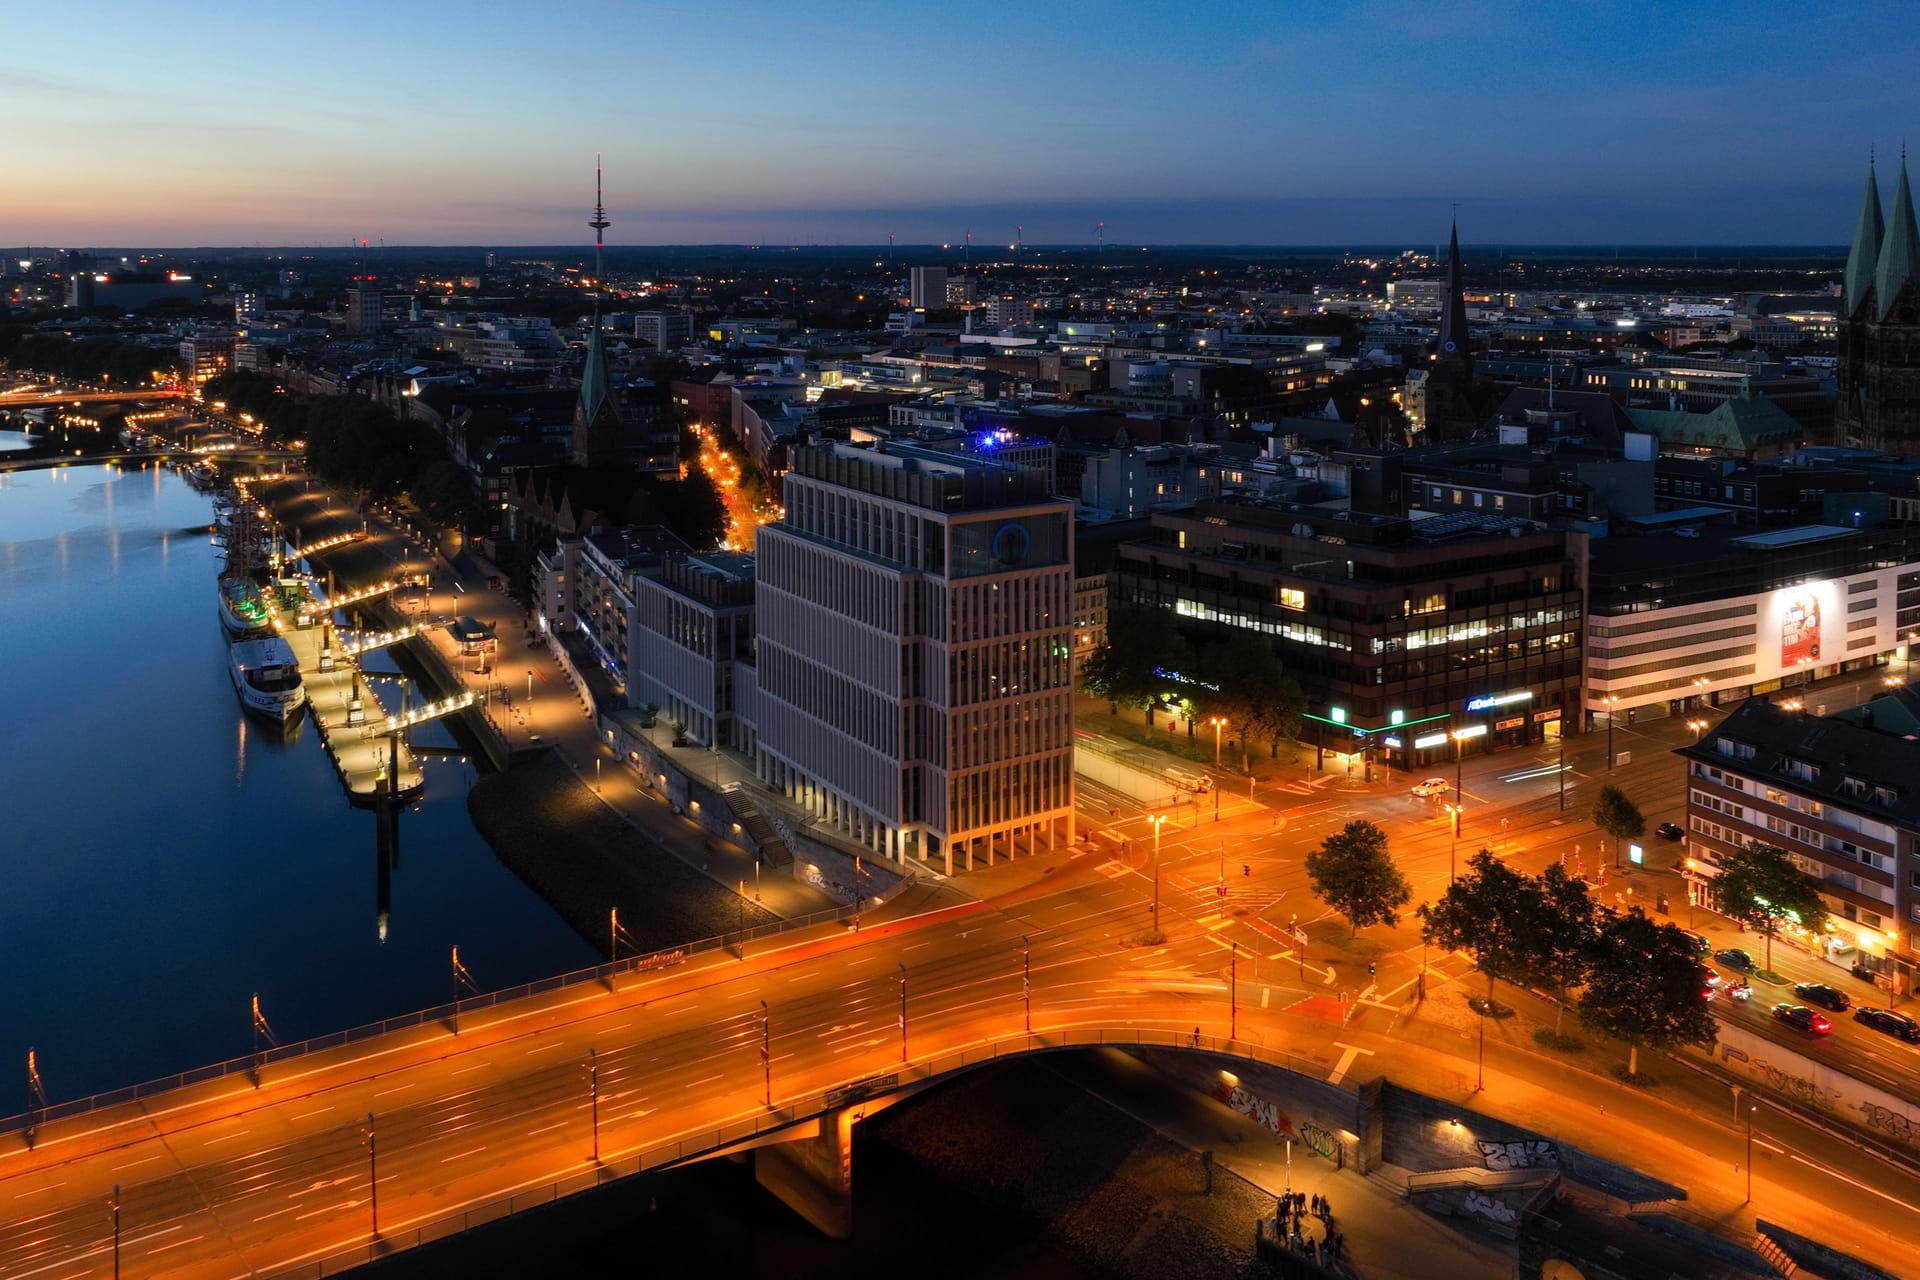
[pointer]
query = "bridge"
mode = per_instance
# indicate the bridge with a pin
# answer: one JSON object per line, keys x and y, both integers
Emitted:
{"x": 36, "y": 397}
{"x": 315, "y": 1157}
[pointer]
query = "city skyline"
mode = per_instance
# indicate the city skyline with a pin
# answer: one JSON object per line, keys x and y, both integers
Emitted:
{"x": 477, "y": 125}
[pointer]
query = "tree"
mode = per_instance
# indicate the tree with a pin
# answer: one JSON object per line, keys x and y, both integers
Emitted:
{"x": 1561, "y": 954}
{"x": 1140, "y": 642}
{"x": 1618, "y": 816}
{"x": 1353, "y": 874}
{"x": 1760, "y": 886}
{"x": 694, "y": 510}
{"x": 1644, "y": 986}
{"x": 1256, "y": 695}
{"x": 1492, "y": 912}
{"x": 443, "y": 493}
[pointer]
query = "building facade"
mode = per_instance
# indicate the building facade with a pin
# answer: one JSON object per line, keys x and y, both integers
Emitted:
{"x": 914, "y": 674}
{"x": 1878, "y": 373}
{"x": 1841, "y": 795}
{"x": 1411, "y": 639}
{"x": 692, "y": 623}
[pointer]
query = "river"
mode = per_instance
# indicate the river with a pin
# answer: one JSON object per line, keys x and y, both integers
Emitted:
{"x": 167, "y": 857}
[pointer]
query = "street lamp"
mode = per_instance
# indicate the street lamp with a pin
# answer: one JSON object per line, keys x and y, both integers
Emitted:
{"x": 1026, "y": 978}
{"x": 1698, "y": 727}
{"x": 1750, "y": 1110}
{"x": 766, "y": 1049}
{"x": 1611, "y": 700}
{"x": 1158, "y": 820}
{"x": 114, "y": 1203}
{"x": 1218, "y": 723}
{"x": 1233, "y": 991}
{"x": 593, "y": 1098}
{"x": 373, "y": 1177}
{"x": 903, "y": 1010}
{"x": 1453, "y": 843}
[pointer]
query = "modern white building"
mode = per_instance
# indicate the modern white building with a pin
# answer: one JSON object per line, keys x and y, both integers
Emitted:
{"x": 692, "y": 622}
{"x": 914, "y": 672}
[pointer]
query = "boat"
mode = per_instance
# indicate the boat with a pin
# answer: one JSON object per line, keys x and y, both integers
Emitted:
{"x": 267, "y": 677}
{"x": 243, "y": 607}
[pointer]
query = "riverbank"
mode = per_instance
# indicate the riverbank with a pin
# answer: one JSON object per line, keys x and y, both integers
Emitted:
{"x": 550, "y": 829}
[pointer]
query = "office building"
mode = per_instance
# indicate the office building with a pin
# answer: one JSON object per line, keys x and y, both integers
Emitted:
{"x": 929, "y": 288}
{"x": 914, "y": 671}
{"x": 692, "y": 623}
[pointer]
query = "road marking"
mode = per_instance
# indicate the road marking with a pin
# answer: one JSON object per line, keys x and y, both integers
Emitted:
{"x": 305, "y": 1115}
{"x": 399, "y": 1088}
{"x": 1329, "y": 978}
{"x": 462, "y": 1156}
{"x": 1266, "y": 993}
{"x": 1348, "y": 1053}
{"x": 52, "y": 1186}
{"x": 135, "y": 1164}
{"x": 175, "y": 1244}
{"x": 1854, "y": 1182}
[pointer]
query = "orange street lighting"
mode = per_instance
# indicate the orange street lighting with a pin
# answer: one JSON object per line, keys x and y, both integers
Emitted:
{"x": 1218, "y": 723}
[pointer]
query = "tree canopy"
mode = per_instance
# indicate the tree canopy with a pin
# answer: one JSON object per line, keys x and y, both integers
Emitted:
{"x": 1140, "y": 641}
{"x": 1618, "y": 816}
{"x": 87, "y": 359}
{"x": 1254, "y": 692}
{"x": 1644, "y": 986}
{"x": 1353, "y": 874}
{"x": 1491, "y": 912}
{"x": 1760, "y": 886}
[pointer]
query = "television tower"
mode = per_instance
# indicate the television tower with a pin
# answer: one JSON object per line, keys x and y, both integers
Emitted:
{"x": 599, "y": 223}
{"x": 1019, "y": 241}
{"x": 1100, "y": 236}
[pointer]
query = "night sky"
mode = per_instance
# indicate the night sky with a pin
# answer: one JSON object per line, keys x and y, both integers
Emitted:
{"x": 742, "y": 121}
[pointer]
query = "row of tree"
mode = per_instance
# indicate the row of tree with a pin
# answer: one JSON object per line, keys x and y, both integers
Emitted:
{"x": 1146, "y": 660}
{"x": 353, "y": 442}
{"x": 85, "y": 359}
{"x": 1638, "y": 979}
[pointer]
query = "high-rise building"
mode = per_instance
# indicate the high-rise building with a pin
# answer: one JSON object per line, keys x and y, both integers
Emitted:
{"x": 1879, "y": 368}
{"x": 364, "y": 304}
{"x": 914, "y": 667}
{"x": 666, "y": 329}
{"x": 929, "y": 288}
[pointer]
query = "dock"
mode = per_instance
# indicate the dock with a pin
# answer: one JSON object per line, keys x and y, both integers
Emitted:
{"x": 363, "y": 738}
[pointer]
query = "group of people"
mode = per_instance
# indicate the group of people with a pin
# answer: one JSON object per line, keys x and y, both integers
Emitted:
{"x": 1293, "y": 1207}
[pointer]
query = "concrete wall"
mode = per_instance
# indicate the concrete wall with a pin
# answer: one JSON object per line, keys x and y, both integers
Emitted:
{"x": 1814, "y": 1086}
{"x": 1321, "y": 1119}
{"x": 1424, "y": 1134}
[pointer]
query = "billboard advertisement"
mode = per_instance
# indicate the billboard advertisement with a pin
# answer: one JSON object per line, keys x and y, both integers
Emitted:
{"x": 1805, "y": 623}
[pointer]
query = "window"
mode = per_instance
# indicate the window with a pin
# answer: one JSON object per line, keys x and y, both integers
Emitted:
{"x": 1291, "y": 597}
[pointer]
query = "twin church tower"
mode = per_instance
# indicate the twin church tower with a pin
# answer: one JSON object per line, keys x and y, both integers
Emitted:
{"x": 1879, "y": 364}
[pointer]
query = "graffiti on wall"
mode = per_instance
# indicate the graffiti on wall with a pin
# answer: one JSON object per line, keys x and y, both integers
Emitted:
{"x": 1317, "y": 1139}
{"x": 1532, "y": 1153}
{"x": 1257, "y": 1109}
{"x": 1487, "y": 1207}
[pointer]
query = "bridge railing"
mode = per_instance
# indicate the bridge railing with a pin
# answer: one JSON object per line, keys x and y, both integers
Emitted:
{"x": 612, "y": 972}
{"x": 664, "y": 1155}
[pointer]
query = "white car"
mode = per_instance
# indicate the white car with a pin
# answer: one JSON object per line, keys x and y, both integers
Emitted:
{"x": 1432, "y": 787}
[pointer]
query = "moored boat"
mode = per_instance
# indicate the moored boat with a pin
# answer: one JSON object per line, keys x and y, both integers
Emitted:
{"x": 267, "y": 676}
{"x": 243, "y": 607}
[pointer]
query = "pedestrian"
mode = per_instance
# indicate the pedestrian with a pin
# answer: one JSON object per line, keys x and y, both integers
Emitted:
{"x": 1316, "y": 1202}
{"x": 1196, "y": 1037}
{"x": 1503, "y": 824}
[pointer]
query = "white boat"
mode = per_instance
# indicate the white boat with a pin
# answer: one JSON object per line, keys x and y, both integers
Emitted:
{"x": 267, "y": 676}
{"x": 243, "y": 607}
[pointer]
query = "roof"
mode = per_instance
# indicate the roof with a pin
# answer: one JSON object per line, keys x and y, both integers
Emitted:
{"x": 1838, "y": 749}
{"x": 1899, "y": 252}
{"x": 596, "y": 390}
{"x": 469, "y": 630}
{"x": 1866, "y": 248}
{"x": 1739, "y": 423}
{"x": 1799, "y": 535}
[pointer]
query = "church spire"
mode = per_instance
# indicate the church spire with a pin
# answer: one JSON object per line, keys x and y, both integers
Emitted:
{"x": 1899, "y": 260}
{"x": 1453, "y": 316}
{"x": 1858, "y": 281}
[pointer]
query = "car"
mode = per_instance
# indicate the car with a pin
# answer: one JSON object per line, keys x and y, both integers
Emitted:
{"x": 1432, "y": 787}
{"x": 1735, "y": 958}
{"x": 1798, "y": 1015}
{"x": 1897, "y": 1025}
{"x": 1699, "y": 941}
{"x": 1823, "y": 995}
{"x": 1669, "y": 831}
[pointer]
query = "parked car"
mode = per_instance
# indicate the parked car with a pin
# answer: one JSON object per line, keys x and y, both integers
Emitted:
{"x": 1699, "y": 941}
{"x": 1432, "y": 787}
{"x": 1823, "y": 995}
{"x": 1897, "y": 1025}
{"x": 1669, "y": 831}
{"x": 1735, "y": 958}
{"x": 1798, "y": 1015}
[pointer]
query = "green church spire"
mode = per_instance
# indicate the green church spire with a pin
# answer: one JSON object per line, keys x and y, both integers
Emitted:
{"x": 1899, "y": 252}
{"x": 1866, "y": 249}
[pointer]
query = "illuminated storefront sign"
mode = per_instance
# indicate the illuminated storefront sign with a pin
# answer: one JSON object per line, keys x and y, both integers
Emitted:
{"x": 1501, "y": 700}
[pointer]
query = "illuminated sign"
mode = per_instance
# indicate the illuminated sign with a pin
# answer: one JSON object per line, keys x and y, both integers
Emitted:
{"x": 1397, "y": 717}
{"x": 1429, "y": 740}
{"x": 1338, "y": 714}
{"x": 1800, "y": 629}
{"x": 1798, "y": 615}
{"x": 1471, "y": 731}
{"x": 1393, "y": 743}
{"x": 1636, "y": 855}
{"x": 1489, "y": 703}
{"x": 1165, "y": 674}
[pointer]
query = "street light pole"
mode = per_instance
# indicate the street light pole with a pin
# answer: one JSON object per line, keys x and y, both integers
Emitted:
{"x": 766, "y": 1049}
{"x": 1233, "y": 991}
{"x": 1156, "y": 820}
{"x": 1026, "y": 978}
{"x": 903, "y": 1010}
{"x": 1750, "y": 1110}
{"x": 1611, "y": 700}
{"x": 593, "y": 1098}
{"x": 1480, "y": 1072}
{"x": 115, "y": 1202}
{"x": 373, "y": 1177}
{"x": 1563, "y": 768}
{"x": 1218, "y": 723}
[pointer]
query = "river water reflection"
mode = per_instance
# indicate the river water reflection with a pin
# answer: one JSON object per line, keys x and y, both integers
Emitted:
{"x": 166, "y": 857}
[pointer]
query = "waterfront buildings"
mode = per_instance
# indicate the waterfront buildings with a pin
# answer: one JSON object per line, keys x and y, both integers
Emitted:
{"x": 914, "y": 677}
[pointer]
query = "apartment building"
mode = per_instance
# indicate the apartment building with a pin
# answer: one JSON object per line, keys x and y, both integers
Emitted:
{"x": 914, "y": 679}
{"x": 692, "y": 622}
{"x": 1839, "y": 793}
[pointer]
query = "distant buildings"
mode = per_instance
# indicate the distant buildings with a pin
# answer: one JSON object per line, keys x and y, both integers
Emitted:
{"x": 929, "y": 288}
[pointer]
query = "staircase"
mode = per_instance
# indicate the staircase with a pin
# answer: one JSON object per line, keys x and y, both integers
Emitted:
{"x": 772, "y": 849}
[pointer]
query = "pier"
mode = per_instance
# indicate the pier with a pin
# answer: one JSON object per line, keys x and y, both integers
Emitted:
{"x": 366, "y": 743}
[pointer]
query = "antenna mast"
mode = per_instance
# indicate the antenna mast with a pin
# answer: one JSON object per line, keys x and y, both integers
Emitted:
{"x": 599, "y": 224}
